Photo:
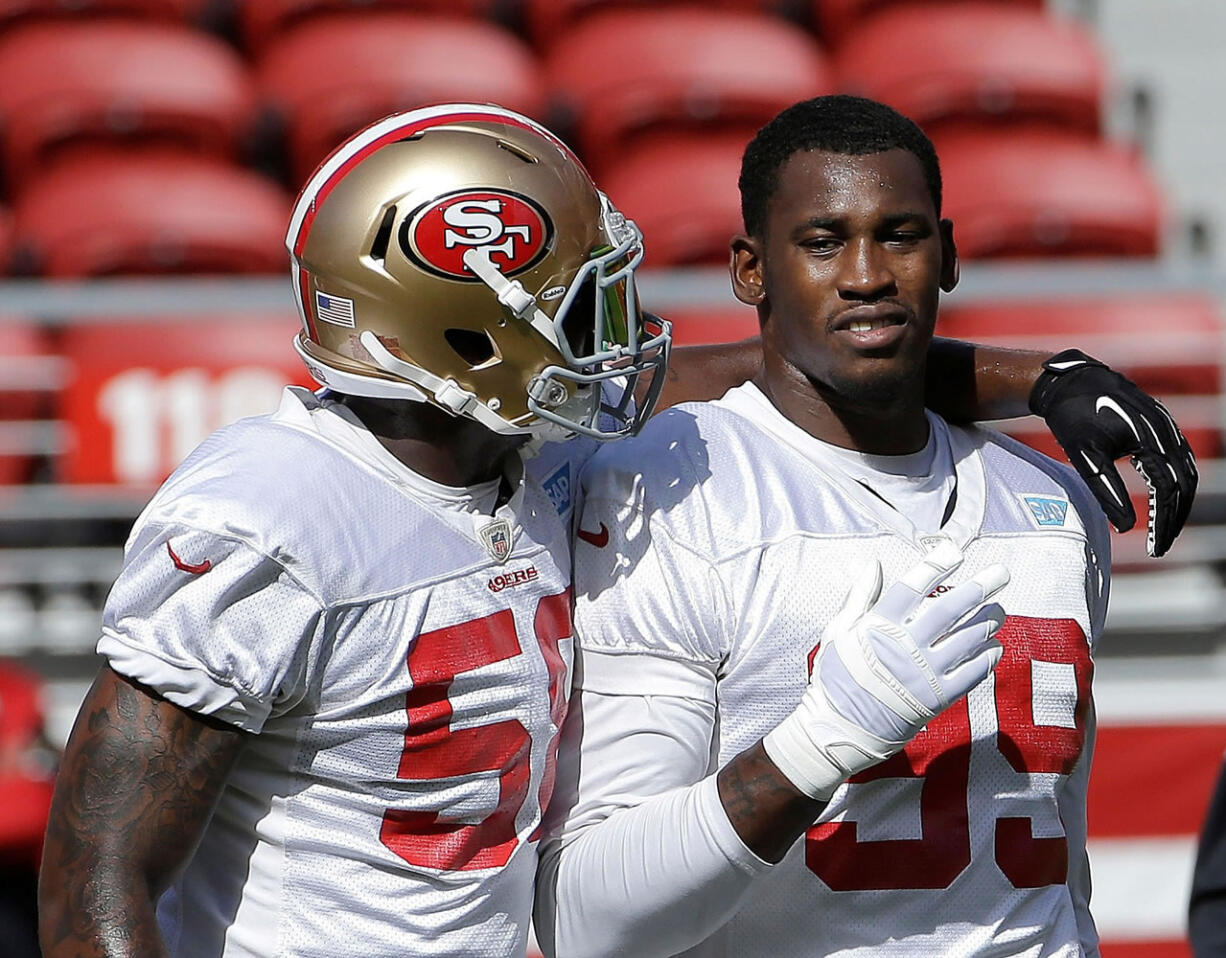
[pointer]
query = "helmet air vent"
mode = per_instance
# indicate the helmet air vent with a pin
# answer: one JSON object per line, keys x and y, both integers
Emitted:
{"x": 518, "y": 151}
{"x": 378, "y": 249}
{"x": 474, "y": 346}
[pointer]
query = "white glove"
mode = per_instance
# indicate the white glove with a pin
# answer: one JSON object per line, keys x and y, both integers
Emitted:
{"x": 883, "y": 672}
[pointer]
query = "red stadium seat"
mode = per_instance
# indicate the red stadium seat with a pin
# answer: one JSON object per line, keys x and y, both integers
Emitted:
{"x": 548, "y": 20}
{"x": 682, "y": 193}
{"x": 331, "y": 76}
{"x": 1167, "y": 344}
{"x": 178, "y": 10}
{"x": 262, "y": 20}
{"x": 153, "y": 212}
{"x": 142, "y": 395}
{"x": 129, "y": 81}
{"x": 623, "y": 73}
{"x": 948, "y": 62}
{"x": 1047, "y": 193}
{"x": 835, "y": 18}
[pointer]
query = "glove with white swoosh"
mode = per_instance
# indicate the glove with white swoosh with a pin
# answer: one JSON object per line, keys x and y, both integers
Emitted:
{"x": 1099, "y": 416}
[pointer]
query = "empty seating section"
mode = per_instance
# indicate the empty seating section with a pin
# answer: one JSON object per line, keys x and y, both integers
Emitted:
{"x": 263, "y": 21}
{"x": 682, "y": 193}
{"x": 330, "y": 76}
{"x": 835, "y": 18}
{"x": 14, "y": 11}
{"x": 167, "y": 136}
{"x": 967, "y": 62}
{"x": 1166, "y": 344}
{"x": 622, "y": 74}
{"x": 153, "y": 211}
{"x": 1036, "y": 193}
{"x": 69, "y": 84}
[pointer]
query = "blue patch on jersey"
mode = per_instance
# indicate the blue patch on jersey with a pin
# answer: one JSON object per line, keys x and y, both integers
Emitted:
{"x": 557, "y": 487}
{"x": 1046, "y": 510}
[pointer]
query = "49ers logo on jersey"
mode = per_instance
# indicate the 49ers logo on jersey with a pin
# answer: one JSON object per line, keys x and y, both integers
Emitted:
{"x": 510, "y": 228}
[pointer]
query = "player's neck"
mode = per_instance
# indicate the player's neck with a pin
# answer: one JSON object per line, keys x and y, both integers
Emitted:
{"x": 445, "y": 448}
{"x": 894, "y": 427}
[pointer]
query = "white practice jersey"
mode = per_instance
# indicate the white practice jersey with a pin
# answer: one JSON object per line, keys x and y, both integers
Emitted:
{"x": 714, "y": 548}
{"x": 403, "y": 668}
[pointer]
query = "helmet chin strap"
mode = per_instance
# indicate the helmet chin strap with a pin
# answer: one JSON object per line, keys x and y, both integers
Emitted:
{"x": 510, "y": 293}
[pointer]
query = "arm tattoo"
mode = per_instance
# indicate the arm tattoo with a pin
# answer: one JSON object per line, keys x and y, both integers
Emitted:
{"x": 139, "y": 781}
{"x": 767, "y": 811}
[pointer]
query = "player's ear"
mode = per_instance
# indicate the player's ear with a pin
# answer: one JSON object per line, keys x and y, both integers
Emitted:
{"x": 949, "y": 256}
{"x": 745, "y": 266}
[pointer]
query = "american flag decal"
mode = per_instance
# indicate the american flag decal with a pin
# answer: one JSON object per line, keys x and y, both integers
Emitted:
{"x": 334, "y": 309}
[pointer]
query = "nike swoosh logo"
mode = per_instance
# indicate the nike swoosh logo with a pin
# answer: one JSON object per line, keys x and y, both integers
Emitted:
{"x": 598, "y": 539}
{"x": 1106, "y": 402}
{"x": 198, "y": 568}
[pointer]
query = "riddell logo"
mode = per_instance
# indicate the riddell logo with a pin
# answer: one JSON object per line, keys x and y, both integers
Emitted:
{"x": 509, "y": 580}
{"x": 510, "y": 228}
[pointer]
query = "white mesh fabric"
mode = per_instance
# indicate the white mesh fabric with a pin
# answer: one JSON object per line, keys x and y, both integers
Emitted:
{"x": 338, "y": 572}
{"x": 752, "y": 546}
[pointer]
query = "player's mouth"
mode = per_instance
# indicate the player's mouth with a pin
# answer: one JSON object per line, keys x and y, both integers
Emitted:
{"x": 872, "y": 327}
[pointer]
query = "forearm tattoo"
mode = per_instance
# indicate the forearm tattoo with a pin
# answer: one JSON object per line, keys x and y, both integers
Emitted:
{"x": 139, "y": 781}
{"x": 767, "y": 811}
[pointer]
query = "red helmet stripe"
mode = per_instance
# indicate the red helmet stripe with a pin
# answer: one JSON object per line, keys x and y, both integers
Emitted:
{"x": 413, "y": 124}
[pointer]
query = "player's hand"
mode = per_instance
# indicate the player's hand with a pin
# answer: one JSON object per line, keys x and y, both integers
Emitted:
{"x": 1099, "y": 416}
{"x": 884, "y": 670}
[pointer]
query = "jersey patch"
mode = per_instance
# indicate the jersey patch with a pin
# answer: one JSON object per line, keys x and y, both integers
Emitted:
{"x": 1046, "y": 511}
{"x": 557, "y": 487}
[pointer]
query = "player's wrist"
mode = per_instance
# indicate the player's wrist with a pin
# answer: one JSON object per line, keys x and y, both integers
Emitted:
{"x": 1057, "y": 371}
{"x": 816, "y": 750}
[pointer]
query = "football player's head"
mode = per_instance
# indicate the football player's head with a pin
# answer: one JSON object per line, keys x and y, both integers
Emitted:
{"x": 845, "y": 252}
{"x": 461, "y": 255}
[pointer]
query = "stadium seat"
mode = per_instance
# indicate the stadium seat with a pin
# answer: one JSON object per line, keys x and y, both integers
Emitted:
{"x": 333, "y": 75}
{"x": 1036, "y": 193}
{"x": 548, "y": 20}
{"x": 623, "y": 73}
{"x": 143, "y": 394}
{"x": 152, "y": 212}
{"x": 1166, "y": 344}
{"x": 260, "y": 21}
{"x": 980, "y": 62}
{"x": 835, "y": 18}
{"x": 69, "y": 84}
{"x": 682, "y": 192}
{"x": 12, "y": 11}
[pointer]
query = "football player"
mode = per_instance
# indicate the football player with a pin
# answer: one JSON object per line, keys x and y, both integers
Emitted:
{"x": 761, "y": 756}
{"x": 338, "y": 653}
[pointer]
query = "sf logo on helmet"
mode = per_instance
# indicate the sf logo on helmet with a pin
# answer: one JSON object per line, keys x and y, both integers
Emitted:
{"x": 510, "y": 228}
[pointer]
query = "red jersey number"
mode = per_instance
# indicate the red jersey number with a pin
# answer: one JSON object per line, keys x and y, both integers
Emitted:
{"x": 433, "y": 750}
{"x": 940, "y": 756}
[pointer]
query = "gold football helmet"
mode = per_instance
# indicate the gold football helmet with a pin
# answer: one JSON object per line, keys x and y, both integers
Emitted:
{"x": 461, "y": 255}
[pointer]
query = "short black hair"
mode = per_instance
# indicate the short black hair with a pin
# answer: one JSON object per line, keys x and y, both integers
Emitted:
{"x": 850, "y": 125}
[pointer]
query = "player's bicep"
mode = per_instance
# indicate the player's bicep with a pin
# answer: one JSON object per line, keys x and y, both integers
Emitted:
{"x": 139, "y": 780}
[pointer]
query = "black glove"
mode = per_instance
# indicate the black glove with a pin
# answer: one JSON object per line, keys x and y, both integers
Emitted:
{"x": 1099, "y": 416}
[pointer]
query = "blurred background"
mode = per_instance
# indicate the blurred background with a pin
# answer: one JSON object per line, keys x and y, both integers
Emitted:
{"x": 149, "y": 150}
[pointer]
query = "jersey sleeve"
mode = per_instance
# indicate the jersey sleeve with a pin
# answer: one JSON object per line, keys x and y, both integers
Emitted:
{"x": 639, "y": 855}
{"x": 211, "y": 624}
{"x": 644, "y": 584}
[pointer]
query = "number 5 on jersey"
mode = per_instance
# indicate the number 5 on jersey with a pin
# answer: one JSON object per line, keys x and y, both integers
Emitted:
{"x": 433, "y": 750}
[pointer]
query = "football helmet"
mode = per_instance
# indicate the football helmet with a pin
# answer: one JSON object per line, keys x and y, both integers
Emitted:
{"x": 461, "y": 255}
